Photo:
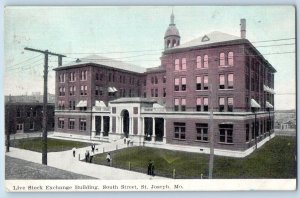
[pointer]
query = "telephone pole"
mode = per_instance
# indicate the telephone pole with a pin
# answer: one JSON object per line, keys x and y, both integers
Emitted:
{"x": 45, "y": 97}
{"x": 211, "y": 132}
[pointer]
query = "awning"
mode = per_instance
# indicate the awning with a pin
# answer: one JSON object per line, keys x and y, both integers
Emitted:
{"x": 100, "y": 103}
{"x": 110, "y": 89}
{"x": 254, "y": 104}
{"x": 269, "y": 90}
{"x": 115, "y": 89}
{"x": 269, "y": 105}
{"x": 82, "y": 103}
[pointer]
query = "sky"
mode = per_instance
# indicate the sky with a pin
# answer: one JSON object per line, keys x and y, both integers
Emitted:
{"x": 135, "y": 35}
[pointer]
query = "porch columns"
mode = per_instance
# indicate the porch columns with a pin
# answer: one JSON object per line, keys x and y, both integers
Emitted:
{"x": 153, "y": 129}
{"x": 121, "y": 124}
{"x": 93, "y": 126}
{"x": 110, "y": 124}
{"x": 102, "y": 126}
{"x": 164, "y": 137}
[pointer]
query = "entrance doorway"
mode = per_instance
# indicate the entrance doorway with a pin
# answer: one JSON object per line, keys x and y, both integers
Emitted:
{"x": 106, "y": 121}
{"x": 98, "y": 125}
{"x": 125, "y": 115}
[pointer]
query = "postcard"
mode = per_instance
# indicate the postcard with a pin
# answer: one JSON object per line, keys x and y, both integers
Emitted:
{"x": 150, "y": 98}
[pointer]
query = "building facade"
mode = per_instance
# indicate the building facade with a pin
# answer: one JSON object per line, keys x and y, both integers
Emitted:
{"x": 24, "y": 114}
{"x": 217, "y": 88}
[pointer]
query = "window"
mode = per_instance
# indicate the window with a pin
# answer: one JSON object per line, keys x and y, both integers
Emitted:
{"x": 72, "y": 76}
{"x": 82, "y": 124}
{"x": 62, "y": 78}
{"x": 156, "y": 92}
{"x": 61, "y": 123}
{"x": 97, "y": 90}
{"x": 205, "y": 63}
{"x": 183, "y": 66}
{"x": 82, "y": 90}
{"x": 176, "y": 104}
{"x": 222, "y": 59}
{"x": 71, "y": 123}
{"x": 176, "y": 87}
{"x": 247, "y": 133}
{"x": 31, "y": 125}
{"x": 205, "y": 83}
{"x": 97, "y": 76}
{"x": 230, "y": 81}
{"x": 145, "y": 94}
{"x": 202, "y": 131}
{"x": 34, "y": 113}
{"x": 183, "y": 84}
{"x": 183, "y": 103}
{"x": 177, "y": 65}
{"x": 247, "y": 82}
{"x": 164, "y": 79}
{"x": 230, "y": 104}
{"x": 205, "y": 104}
{"x": 199, "y": 65}
{"x": 222, "y": 81}
{"x": 83, "y": 75}
{"x": 109, "y": 77}
{"x": 155, "y": 80}
{"x": 113, "y": 110}
{"x": 72, "y": 105}
{"x": 19, "y": 127}
{"x": 28, "y": 113}
{"x": 85, "y": 90}
{"x": 230, "y": 58}
{"x": 164, "y": 92}
{"x": 226, "y": 133}
{"x": 198, "y": 104}
{"x": 221, "y": 104}
{"x": 198, "y": 84}
{"x": 152, "y": 80}
{"x": 152, "y": 93}
{"x": 179, "y": 130}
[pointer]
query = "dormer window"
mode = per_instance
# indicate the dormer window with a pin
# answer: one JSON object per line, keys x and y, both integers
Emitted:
{"x": 205, "y": 38}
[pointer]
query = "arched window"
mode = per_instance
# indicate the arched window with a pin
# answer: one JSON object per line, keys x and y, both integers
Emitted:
{"x": 183, "y": 66}
{"x": 205, "y": 61}
{"x": 174, "y": 43}
{"x": 222, "y": 59}
{"x": 230, "y": 58}
{"x": 199, "y": 65}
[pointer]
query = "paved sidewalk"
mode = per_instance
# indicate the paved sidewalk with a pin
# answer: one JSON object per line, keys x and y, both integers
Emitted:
{"x": 64, "y": 160}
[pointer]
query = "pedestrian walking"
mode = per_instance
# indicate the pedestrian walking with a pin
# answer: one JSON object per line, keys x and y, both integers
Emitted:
{"x": 108, "y": 158}
{"x": 74, "y": 151}
{"x": 93, "y": 148}
{"x": 149, "y": 168}
{"x": 124, "y": 140}
{"x": 86, "y": 156}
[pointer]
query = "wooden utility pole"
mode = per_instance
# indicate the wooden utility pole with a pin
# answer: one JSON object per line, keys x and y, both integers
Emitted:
{"x": 211, "y": 132}
{"x": 45, "y": 97}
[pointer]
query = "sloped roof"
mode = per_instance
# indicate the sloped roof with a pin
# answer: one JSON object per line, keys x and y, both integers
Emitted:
{"x": 213, "y": 37}
{"x": 104, "y": 61}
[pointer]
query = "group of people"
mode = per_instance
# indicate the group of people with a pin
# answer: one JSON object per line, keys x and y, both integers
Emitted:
{"x": 88, "y": 157}
{"x": 151, "y": 168}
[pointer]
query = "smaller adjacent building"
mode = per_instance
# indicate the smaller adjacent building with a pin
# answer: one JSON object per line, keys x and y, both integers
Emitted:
{"x": 24, "y": 114}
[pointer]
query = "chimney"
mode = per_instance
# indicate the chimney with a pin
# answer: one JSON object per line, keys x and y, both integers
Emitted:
{"x": 243, "y": 28}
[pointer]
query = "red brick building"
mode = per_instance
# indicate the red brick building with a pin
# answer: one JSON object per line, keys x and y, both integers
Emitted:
{"x": 23, "y": 114}
{"x": 171, "y": 104}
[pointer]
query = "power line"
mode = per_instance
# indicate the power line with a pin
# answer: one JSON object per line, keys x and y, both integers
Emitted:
{"x": 21, "y": 67}
{"x": 276, "y": 45}
{"x": 26, "y": 60}
{"x": 263, "y": 41}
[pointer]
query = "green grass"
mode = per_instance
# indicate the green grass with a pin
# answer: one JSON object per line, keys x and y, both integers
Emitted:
{"x": 274, "y": 160}
{"x": 54, "y": 145}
